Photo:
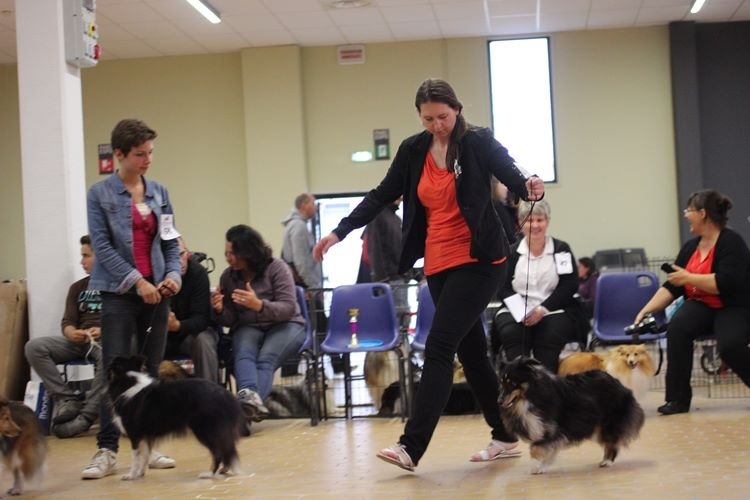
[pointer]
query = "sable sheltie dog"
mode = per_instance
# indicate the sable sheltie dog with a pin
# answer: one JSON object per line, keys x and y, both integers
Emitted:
{"x": 552, "y": 412}
{"x": 630, "y": 364}
{"x": 147, "y": 409}
{"x": 23, "y": 447}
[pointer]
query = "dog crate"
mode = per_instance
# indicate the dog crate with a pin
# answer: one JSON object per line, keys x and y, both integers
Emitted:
{"x": 710, "y": 377}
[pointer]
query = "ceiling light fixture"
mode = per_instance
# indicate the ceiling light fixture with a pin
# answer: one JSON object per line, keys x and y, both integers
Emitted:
{"x": 697, "y": 6}
{"x": 206, "y": 9}
{"x": 348, "y": 4}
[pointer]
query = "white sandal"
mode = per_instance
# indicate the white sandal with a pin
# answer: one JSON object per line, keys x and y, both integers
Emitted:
{"x": 495, "y": 450}
{"x": 396, "y": 455}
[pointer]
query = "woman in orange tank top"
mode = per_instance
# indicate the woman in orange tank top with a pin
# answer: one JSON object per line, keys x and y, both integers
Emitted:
{"x": 444, "y": 176}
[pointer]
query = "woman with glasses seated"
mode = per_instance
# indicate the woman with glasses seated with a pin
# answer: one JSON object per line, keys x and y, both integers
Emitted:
{"x": 712, "y": 273}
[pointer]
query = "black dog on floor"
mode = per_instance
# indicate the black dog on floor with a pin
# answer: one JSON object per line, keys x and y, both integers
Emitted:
{"x": 148, "y": 409}
{"x": 554, "y": 412}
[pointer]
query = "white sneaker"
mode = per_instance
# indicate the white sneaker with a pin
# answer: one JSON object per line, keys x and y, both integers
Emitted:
{"x": 252, "y": 405}
{"x": 104, "y": 463}
{"x": 160, "y": 461}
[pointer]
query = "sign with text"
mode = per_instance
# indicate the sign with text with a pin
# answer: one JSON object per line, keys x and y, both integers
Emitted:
{"x": 381, "y": 137}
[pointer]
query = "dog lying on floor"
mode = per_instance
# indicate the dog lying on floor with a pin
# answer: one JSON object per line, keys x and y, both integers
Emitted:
{"x": 147, "y": 409}
{"x": 23, "y": 447}
{"x": 553, "y": 412}
{"x": 460, "y": 402}
{"x": 630, "y": 364}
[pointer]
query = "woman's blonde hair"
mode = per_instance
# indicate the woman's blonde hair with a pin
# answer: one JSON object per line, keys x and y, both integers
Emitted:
{"x": 541, "y": 207}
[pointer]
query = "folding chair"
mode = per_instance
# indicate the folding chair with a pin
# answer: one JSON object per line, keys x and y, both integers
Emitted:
{"x": 619, "y": 297}
{"x": 308, "y": 351}
{"x": 377, "y": 329}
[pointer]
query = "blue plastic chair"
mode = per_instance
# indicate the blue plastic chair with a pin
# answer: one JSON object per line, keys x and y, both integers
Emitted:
{"x": 619, "y": 297}
{"x": 377, "y": 329}
{"x": 425, "y": 313}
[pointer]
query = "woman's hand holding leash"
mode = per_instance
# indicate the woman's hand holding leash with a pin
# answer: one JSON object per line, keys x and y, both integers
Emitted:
{"x": 147, "y": 291}
{"x": 535, "y": 188}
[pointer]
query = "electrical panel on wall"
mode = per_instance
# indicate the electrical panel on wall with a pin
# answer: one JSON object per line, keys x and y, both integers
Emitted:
{"x": 81, "y": 33}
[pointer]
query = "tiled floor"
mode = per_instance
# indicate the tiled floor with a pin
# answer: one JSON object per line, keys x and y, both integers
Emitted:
{"x": 703, "y": 454}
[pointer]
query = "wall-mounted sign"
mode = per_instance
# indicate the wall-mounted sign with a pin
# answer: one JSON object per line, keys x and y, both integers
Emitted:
{"x": 106, "y": 161}
{"x": 381, "y": 137}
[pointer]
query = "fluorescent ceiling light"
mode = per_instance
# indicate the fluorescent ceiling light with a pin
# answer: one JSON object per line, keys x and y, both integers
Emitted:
{"x": 697, "y": 6}
{"x": 206, "y": 10}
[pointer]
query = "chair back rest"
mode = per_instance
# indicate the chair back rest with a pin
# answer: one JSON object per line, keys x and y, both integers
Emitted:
{"x": 425, "y": 313}
{"x": 619, "y": 297}
{"x": 377, "y": 326}
{"x": 302, "y": 301}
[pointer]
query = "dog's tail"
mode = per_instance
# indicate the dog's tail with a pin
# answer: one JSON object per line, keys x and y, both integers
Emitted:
{"x": 32, "y": 444}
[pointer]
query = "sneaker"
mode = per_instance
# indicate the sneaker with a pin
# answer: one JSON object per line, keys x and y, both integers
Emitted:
{"x": 160, "y": 461}
{"x": 252, "y": 405}
{"x": 103, "y": 464}
{"x": 72, "y": 428}
{"x": 396, "y": 455}
{"x": 495, "y": 450}
{"x": 65, "y": 410}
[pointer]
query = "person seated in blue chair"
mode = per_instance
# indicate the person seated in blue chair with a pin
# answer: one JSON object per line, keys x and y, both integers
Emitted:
{"x": 587, "y": 276}
{"x": 257, "y": 300}
{"x": 712, "y": 272}
{"x": 72, "y": 415}
{"x": 543, "y": 282}
{"x": 190, "y": 330}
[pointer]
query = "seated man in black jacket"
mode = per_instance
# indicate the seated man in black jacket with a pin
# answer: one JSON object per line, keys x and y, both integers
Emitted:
{"x": 191, "y": 331}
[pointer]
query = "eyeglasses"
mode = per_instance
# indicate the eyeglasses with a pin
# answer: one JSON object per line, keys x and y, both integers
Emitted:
{"x": 686, "y": 211}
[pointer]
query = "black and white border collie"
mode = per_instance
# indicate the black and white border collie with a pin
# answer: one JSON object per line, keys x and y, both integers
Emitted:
{"x": 146, "y": 410}
{"x": 552, "y": 412}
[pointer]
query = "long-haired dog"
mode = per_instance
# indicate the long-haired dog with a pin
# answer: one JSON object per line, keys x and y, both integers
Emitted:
{"x": 23, "y": 447}
{"x": 552, "y": 412}
{"x": 147, "y": 409}
{"x": 630, "y": 364}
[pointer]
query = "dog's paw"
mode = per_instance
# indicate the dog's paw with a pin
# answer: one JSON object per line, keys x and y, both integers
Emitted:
{"x": 606, "y": 463}
{"x": 207, "y": 475}
{"x": 130, "y": 476}
{"x": 538, "y": 467}
{"x": 13, "y": 492}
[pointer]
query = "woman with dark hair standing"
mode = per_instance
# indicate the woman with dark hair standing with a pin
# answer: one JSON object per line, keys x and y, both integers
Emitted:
{"x": 444, "y": 176}
{"x": 258, "y": 302}
{"x": 712, "y": 273}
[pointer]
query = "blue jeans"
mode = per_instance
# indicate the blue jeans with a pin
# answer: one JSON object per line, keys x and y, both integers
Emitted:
{"x": 258, "y": 353}
{"x": 125, "y": 319}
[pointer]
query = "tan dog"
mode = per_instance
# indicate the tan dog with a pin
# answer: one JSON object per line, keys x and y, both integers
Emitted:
{"x": 23, "y": 447}
{"x": 380, "y": 371}
{"x": 630, "y": 364}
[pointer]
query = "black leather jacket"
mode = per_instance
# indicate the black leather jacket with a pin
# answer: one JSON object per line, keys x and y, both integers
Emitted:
{"x": 480, "y": 156}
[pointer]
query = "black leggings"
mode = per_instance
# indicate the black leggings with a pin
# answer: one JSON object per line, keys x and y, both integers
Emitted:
{"x": 731, "y": 328}
{"x": 461, "y": 295}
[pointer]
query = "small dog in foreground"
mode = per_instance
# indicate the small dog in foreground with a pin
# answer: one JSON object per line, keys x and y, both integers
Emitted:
{"x": 147, "y": 409}
{"x": 552, "y": 413}
{"x": 23, "y": 446}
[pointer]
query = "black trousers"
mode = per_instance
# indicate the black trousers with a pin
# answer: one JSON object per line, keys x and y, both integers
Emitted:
{"x": 460, "y": 295}
{"x": 731, "y": 328}
{"x": 545, "y": 339}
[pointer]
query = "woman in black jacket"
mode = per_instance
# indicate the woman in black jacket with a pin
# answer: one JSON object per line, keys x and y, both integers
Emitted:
{"x": 712, "y": 273}
{"x": 444, "y": 175}
{"x": 541, "y": 313}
